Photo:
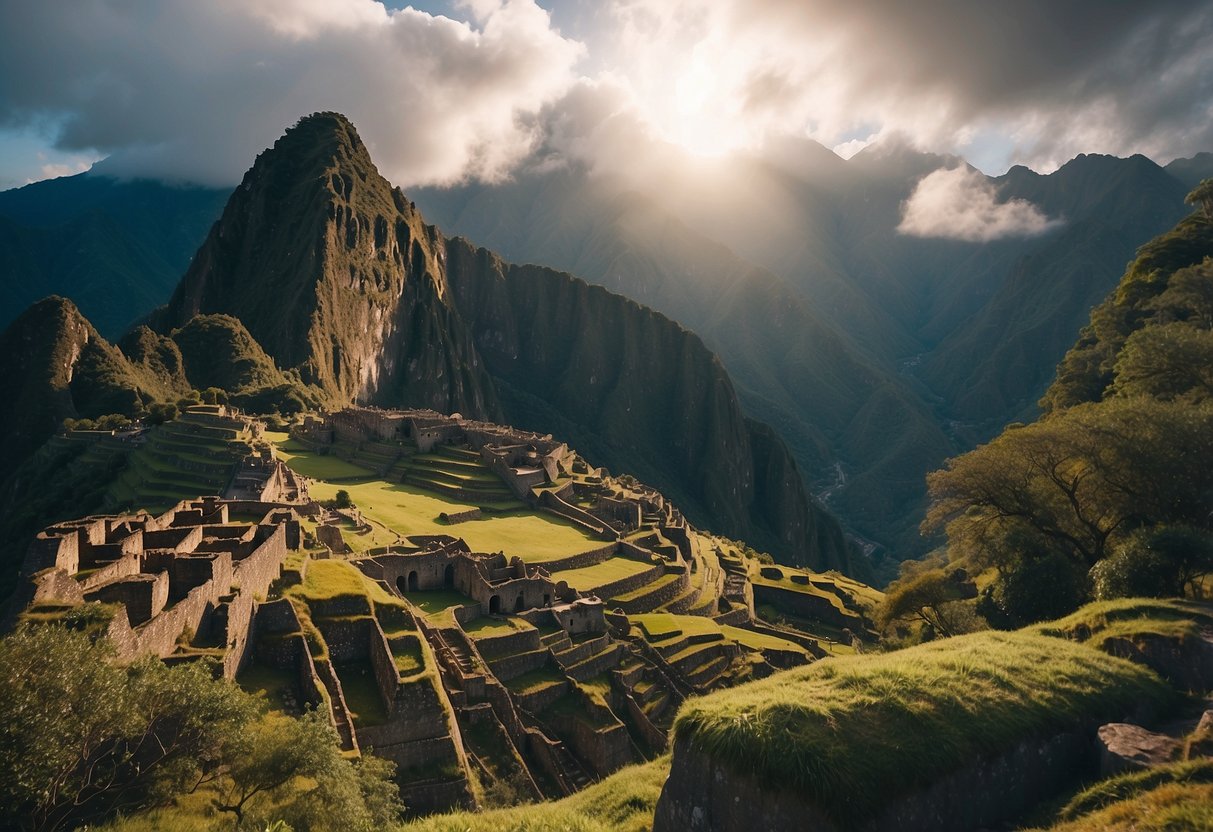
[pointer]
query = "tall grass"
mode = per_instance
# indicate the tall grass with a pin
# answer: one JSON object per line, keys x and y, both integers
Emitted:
{"x": 850, "y": 733}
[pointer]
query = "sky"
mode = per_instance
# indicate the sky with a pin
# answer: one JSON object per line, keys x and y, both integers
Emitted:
{"x": 445, "y": 91}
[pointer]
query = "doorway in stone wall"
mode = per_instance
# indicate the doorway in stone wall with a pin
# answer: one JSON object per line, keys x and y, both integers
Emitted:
{"x": 413, "y": 581}
{"x": 448, "y": 576}
{"x": 495, "y": 605}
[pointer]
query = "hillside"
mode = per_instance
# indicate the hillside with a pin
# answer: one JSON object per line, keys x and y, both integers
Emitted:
{"x": 115, "y": 247}
{"x": 1105, "y": 495}
{"x": 398, "y": 315}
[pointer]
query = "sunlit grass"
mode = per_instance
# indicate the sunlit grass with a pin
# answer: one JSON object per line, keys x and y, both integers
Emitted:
{"x": 849, "y": 733}
{"x": 623, "y": 802}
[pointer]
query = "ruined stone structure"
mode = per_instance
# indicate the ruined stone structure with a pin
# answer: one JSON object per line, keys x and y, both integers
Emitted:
{"x": 181, "y": 586}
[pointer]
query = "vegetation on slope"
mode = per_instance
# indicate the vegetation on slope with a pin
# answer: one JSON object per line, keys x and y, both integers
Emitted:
{"x": 1172, "y": 798}
{"x": 83, "y": 738}
{"x": 850, "y": 733}
{"x": 1106, "y": 495}
{"x": 623, "y": 802}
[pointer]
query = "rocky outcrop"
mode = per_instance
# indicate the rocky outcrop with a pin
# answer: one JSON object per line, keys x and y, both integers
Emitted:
{"x": 1127, "y": 747}
{"x": 336, "y": 275}
{"x": 57, "y": 366}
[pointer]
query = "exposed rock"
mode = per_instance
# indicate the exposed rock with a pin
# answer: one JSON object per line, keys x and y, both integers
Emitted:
{"x": 1185, "y": 663}
{"x": 1127, "y": 747}
{"x": 703, "y": 794}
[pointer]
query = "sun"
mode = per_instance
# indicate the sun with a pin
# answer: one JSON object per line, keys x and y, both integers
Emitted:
{"x": 697, "y": 111}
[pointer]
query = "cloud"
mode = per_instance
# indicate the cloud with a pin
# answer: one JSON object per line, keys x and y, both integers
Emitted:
{"x": 960, "y": 204}
{"x": 193, "y": 90}
{"x": 1058, "y": 77}
{"x": 185, "y": 90}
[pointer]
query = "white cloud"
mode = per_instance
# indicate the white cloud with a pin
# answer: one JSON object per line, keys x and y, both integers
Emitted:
{"x": 188, "y": 90}
{"x": 961, "y": 204}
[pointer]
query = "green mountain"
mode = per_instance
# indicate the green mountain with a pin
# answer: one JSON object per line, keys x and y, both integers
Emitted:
{"x": 57, "y": 366}
{"x": 336, "y": 275}
{"x": 116, "y": 248}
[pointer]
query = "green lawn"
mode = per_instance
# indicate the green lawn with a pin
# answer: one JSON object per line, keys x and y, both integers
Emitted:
{"x": 663, "y": 625}
{"x": 436, "y": 603}
{"x": 759, "y": 641}
{"x": 623, "y": 802}
{"x": 589, "y": 578}
{"x": 310, "y": 464}
{"x": 396, "y": 508}
{"x": 488, "y": 627}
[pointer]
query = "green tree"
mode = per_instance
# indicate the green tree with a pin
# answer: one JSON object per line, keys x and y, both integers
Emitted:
{"x": 1166, "y": 362}
{"x": 924, "y": 596}
{"x": 82, "y": 738}
{"x": 342, "y": 499}
{"x": 1161, "y": 562}
{"x": 1074, "y": 481}
{"x": 1202, "y": 196}
{"x": 293, "y": 769}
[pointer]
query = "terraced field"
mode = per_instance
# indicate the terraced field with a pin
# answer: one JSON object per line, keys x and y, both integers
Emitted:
{"x": 407, "y": 509}
{"x": 184, "y": 458}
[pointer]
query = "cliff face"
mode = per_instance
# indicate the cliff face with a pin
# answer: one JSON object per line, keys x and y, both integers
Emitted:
{"x": 57, "y": 367}
{"x": 336, "y": 275}
{"x": 642, "y": 395}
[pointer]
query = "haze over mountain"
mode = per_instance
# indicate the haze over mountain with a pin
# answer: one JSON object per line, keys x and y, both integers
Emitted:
{"x": 879, "y": 351}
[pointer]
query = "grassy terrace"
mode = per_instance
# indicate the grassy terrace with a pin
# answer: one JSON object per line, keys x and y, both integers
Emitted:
{"x": 589, "y": 578}
{"x": 395, "y": 508}
{"x": 1132, "y": 618}
{"x": 849, "y": 733}
{"x": 1176, "y": 798}
{"x": 623, "y": 802}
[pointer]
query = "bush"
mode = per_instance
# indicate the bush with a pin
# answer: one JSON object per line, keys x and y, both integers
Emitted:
{"x": 1037, "y": 587}
{"x": 342, "y": 499}
{"x": 83, "y": 738}
{"x": 1167, "y": 561}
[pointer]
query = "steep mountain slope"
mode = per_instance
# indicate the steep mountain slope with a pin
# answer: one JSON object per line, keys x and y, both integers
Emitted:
{"x": 116, "y": 248}
{"x": 336, "y": 275}
{"x": 57, "y": 366}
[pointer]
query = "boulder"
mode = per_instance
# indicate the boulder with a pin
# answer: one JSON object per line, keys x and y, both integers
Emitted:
{"x": 1127, "y": 747}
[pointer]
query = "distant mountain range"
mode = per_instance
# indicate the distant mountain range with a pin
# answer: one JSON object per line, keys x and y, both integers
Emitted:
{"x": 873, "y": 354}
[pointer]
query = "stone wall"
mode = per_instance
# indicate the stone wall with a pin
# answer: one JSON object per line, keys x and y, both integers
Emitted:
{"x": 707, "y": 795}
{"x": 804, "y": 605}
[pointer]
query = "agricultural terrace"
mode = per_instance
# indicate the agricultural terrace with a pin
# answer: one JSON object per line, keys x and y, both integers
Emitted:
{"x": 399, "y": 509}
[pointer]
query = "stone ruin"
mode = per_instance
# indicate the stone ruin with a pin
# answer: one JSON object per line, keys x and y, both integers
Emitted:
{"x": 182, "y": 585}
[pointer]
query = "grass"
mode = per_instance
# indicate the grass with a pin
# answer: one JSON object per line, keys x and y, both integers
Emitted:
{"x": 329, "y": 579}
{"x": 1173, "y": 798}
{"x": 435, "y": 602}
{"x": 660, "y": 626}
{"x": 489, "y": 627}
{"x": 362, "y": 694}
{"x": 398, "y": 508}
{"x": 304, "y": 461}
{"x": 536, "y": 679}
{"x": 850, "y": 733}
{"x": 759, "y": 641}
{"x": 589, "y": 578}
{"x": 267, "y": 683}
{"x": 1132, "y": 618}
{"x": 623, "y": 802}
